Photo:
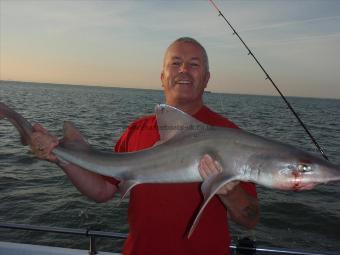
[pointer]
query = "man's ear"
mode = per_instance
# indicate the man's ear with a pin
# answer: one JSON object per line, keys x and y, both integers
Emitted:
{"x": 162, "y": 77}
{"x": 207, "y": 77}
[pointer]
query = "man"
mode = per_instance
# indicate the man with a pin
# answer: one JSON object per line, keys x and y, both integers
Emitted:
{"x": 160, "y": 214}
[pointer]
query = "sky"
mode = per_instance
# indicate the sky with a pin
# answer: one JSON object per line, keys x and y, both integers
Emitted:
{"x": 122, "y": 43}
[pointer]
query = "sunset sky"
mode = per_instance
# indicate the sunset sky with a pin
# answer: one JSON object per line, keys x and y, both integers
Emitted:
{"x": 121, "y": 43}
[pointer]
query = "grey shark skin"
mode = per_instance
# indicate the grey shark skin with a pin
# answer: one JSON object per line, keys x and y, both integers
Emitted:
{"x": 184, "y": 140}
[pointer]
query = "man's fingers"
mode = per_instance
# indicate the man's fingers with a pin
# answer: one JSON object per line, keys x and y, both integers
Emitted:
{"x": 227, "y": 187}
{"x": 43, "y": 143}
{"x": 208, "y": 166}
{"x": 212, "y": 165}
{"x": 218, "y": 166}
{"x": 202, "y": 168}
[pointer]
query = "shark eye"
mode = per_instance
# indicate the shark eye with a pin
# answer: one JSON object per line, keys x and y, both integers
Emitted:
{"x": 304, "y": 168}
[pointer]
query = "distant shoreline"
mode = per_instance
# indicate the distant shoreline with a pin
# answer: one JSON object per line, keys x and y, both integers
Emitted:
{"x": 120, "y": 87}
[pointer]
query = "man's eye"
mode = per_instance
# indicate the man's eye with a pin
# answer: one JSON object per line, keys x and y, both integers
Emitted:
{"x": 194, "y": 64}
{"x": 175, "y": 63}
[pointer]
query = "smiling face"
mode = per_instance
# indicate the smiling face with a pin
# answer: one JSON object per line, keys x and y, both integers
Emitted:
{"x": 185, "y": 74}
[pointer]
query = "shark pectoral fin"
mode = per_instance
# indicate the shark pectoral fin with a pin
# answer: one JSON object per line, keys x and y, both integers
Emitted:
{"x": 209, "y": 188}
{"x": 125, "y": 187}
{"x": 157, "y": 143}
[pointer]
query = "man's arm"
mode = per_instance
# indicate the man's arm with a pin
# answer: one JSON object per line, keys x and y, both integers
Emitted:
{"x": 92, "y": 185}
{"x": 243, "y": 208}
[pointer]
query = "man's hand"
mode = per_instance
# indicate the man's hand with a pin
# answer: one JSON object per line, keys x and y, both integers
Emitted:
{"x": 242, "y": 208}
{"x": 208, "y": 166}
{"x": 43, "y": 143}
{"x": 93, "y": 185}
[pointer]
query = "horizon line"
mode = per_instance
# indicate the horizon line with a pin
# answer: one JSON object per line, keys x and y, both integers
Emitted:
{"x": 161, "y": 90}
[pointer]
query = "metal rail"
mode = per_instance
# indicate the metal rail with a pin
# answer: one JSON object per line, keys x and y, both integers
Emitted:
{"x": 92, "y": 234}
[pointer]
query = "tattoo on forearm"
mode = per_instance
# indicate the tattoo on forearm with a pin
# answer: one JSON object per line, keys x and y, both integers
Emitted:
{"x": 251, "y": 211}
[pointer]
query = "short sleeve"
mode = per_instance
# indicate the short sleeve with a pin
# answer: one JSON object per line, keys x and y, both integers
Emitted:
{"x": 121, "y": 145}
{"x": 250, "y": 188}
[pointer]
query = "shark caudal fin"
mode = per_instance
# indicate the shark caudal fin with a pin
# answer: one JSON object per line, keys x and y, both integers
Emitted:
{"x": 209, "y": 188}
{"x": 2, "y": 110}
{"x": 19, "y": 122}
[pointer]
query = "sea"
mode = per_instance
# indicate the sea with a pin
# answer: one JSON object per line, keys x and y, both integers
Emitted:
{"x": 38, "y": 193}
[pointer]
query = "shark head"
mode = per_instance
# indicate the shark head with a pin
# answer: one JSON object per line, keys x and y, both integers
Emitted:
{"x": 295, "y": 170}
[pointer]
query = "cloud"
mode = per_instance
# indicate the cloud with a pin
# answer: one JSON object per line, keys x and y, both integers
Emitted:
{"x": 290, "y": 23}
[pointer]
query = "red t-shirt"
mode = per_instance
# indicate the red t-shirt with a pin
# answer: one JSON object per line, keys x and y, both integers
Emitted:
{"x": 160, "y": 214}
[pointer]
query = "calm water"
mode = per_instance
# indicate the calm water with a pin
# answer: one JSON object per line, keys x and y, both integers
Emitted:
{"x": 36, "y": 192}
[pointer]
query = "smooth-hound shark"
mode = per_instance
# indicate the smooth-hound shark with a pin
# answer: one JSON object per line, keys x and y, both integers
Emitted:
{"x": 175, "y": 159}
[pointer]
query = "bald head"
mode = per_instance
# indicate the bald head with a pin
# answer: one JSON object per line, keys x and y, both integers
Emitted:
{"x": 194, "y": 42}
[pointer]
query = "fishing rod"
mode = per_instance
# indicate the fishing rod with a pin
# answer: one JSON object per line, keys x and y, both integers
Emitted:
{"x": 272, "y": 82}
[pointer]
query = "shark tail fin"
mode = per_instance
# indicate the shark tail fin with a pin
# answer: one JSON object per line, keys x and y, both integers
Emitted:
{"x": 209, "y": 188}
{"x": 19, "y": 122}
{"x": 2, "y": 110}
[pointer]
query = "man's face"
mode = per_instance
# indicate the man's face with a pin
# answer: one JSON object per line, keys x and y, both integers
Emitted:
{"x": 184, "y": 74}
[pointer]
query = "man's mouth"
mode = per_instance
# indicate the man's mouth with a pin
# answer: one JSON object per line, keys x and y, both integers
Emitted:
{"x": 184, "y": 82}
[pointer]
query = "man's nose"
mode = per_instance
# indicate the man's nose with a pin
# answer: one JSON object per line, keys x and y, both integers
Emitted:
{"x": 183, "y": 68}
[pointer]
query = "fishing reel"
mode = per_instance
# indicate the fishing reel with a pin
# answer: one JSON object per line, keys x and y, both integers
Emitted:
{"x": 245, "y": 246}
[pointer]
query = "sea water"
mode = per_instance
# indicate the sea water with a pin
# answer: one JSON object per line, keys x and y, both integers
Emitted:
{"x": 37, "y": 192}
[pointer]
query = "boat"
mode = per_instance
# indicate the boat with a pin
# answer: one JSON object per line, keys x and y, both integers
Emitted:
{"x": 245, "y": 246}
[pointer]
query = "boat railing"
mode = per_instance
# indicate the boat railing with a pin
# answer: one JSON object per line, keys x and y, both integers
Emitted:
{"x": 93, "y": 234}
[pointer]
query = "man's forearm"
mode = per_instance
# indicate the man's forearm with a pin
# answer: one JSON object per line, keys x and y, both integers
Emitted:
{"x": 88, "y": 183}
{"x": 242, "y": 207}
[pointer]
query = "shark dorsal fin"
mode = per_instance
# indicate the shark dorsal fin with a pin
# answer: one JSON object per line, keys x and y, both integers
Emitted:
{"x": 73, "y": 138}
{"x": 172, "y": 121}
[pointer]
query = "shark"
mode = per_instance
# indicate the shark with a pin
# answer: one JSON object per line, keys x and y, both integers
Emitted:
{"x": 175, "y": 158}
